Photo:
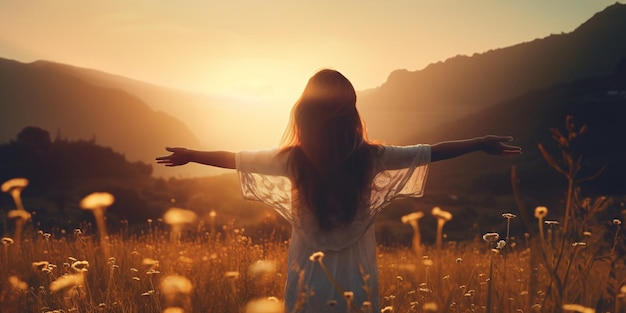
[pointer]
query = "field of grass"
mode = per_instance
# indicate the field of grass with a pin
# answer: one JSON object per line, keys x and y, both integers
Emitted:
{"x": 180, "y": 264}
{"x": 199, "y": 269}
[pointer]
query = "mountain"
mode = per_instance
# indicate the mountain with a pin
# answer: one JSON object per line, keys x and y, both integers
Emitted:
{"x": 71, "y": 107}
{"x": 184, "y": 105}
{"x": 416, "y": 102}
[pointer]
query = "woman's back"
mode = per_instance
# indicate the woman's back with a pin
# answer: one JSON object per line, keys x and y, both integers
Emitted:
{"x": 350, "y": 250}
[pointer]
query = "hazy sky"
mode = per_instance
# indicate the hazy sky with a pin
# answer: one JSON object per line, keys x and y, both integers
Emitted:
{"x": 268, "y": 49}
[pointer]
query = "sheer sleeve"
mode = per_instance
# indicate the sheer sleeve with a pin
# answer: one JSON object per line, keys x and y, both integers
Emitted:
{"x": 402, "y": 173}
{"x": 263, "y": 177}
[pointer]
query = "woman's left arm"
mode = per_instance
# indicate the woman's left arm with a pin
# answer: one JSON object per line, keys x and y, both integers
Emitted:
{"x": 494, "y": 145}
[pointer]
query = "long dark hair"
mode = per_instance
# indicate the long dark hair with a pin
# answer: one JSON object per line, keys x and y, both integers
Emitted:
{"x": 330, "y": 155}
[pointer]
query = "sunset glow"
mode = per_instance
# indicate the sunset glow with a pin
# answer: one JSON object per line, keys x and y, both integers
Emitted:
{"x": 262, "y": 52}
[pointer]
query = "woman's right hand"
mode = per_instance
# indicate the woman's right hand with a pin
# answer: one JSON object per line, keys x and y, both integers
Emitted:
{"x": 179, "y": 156}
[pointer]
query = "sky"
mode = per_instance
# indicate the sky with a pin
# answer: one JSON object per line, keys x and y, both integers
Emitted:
{"x": 268, "y": 49}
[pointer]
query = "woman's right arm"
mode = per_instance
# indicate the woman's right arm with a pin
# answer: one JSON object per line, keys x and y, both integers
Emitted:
{"x": 182, "y": 156}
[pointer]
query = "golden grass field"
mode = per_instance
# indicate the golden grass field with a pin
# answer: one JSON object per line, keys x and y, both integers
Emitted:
{"x": 196, "y": 269}
{"x": 179, "y": 264}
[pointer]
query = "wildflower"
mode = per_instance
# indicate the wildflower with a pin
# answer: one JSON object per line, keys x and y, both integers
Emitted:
{"x": 262, "y": 268}
{"x": 387, "y": 309}
{"x": 551, "y": 223}
{"x": 21, "y": 214}
{"x": 491, "y": 237}
{"x": 431, "y": 306}
{"x": 587, "y": 233}
{"x": 331, "y": 302}
{"x": 231, "y": 274}
{"x": 175, "y": 216}
{"x": 509, "y": 216}
{"x": 17, "y": 283}
{"x": 264, "y": 305}
{"x": 41, "y": 265}
{"x": 173, "y": 309}
{"x": 7, "y": 241}
{"x": 501, "y": 244}
{"x": 578, "y": 308}
{"x": 80, "y": 266}
{"x": 442, "y": 217}
{"x": 175, "y": 284}
{"x": 541, "y": 212}
{"x": 617, "y": 222}
{"x": 317, "y": 256}
{"x": 349, "y": 295}
{"x": 441, "y": 214}
{"x": 97, "y": 201}
{"x": 148, "y": 293}
{"x": 14, "y": 187}
{"x": 427, "y": 262}
{"x": 459, "y": 260}
{"x": 67, "y": 281}
{"x": 412, "y": 217}
{"x": 150, "y": 262}
{"x": 579, "y": 244}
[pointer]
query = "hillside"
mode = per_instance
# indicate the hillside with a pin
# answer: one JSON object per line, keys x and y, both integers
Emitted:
{"x": 416, "y": 102}
{"x": 599, "y": 103}
{"x": 69, "y": 107}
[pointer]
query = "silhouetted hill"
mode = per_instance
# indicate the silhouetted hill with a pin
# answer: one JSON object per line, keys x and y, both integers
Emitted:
{"x": 415, "y": 102}
{"x": 599, "y": 103}
{"x": 185, "y": 106}
{"x": 47, "y": 97}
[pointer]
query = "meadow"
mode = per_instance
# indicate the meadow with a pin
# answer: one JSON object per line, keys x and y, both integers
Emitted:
{"x": 180, "y": 263}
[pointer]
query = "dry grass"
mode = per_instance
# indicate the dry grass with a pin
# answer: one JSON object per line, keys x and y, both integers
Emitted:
{"x": 205, "y": 272}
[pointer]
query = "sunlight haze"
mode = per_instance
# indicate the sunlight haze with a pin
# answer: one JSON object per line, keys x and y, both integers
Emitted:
{"x": 262, "y": 52}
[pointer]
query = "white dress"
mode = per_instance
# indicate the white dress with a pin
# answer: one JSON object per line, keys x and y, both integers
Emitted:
{"x": 349, "y": 252}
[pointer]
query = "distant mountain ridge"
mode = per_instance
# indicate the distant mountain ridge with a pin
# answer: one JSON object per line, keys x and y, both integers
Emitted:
{"x": 416, "y": 102}
{"x": 68, "y": 106}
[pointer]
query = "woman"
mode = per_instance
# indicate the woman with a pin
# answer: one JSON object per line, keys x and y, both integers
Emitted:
{"x": 330, "y": 182}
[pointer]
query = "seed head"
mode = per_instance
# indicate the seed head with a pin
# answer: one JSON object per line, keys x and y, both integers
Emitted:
{"x": 441, "y": 214}
{"x": 265, "y": 305}
{"x": 349, "y": 295}
{"x": 175, "y": 284}
{"x": 317, "y": 256}
{"x": 7, "y": 241}
{"x": 501, "y": 244}
{"x": 412, "y": 217}
{"x": 541, "y": 212}
{"x": 17, "y": 283}
{"x": 491, "y": 237}
{"x": 231, "y": 274}
{"x": 67, "y": 281}
{"x": 509, "y": 216}
{"x": 177, "y": 216}
{"x": 430, "y": 306}
{"x": 97, "y": 201}
{"x": 80, "y": 266}
{"x": 578, "y": 308}
{"x": 19, "y": 214}
{"x": 262, "y": 268}
{"x": 14, "y": 184}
